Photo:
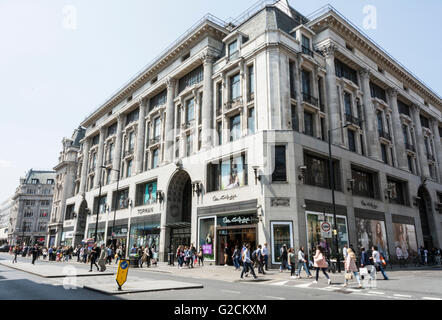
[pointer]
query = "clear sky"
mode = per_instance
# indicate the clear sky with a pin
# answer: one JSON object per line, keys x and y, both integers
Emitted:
{"x": 55, "y": 70}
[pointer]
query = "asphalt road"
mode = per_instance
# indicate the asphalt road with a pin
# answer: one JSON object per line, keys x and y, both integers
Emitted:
{"x": 404, "y": 285}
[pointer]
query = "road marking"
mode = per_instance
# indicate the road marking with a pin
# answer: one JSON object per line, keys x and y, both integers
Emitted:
{"x": 402, "y": 295}
{"x": 304, "y": 285}
{"x": 230, "y": 291}
{"x": 376, "y": 292}
{"x": 271, "y": 297}
{"x": 431, "y": 298}
{"x": 279, "y": 283}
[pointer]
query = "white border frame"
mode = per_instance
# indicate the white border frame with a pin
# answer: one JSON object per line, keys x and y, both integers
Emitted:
{"x": 272, "y": 223}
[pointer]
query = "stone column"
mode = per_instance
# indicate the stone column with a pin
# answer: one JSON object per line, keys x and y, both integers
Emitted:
{"x": 437, "y": 146}
{"x": 298, "y": 88}
{"x": 98, "y": 169}
{"x": 207, "y": 105}
{"x": 401, "y": 155}
{"x": 332, "y": 93}
{"x": 118, "y": 143}
{"x": 425, "y": 171}
{"x": 370, "y": 122}
{"x": 83, "y": 180}
{"x": 141, "y": 131}
{"x": 169, "y": 134}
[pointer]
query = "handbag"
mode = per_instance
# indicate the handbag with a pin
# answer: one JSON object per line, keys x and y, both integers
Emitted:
{"x": 349, "y": 276}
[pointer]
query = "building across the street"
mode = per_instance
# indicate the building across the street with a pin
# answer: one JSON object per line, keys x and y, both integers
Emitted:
{"x": 5, "y": 216}
{"x": 31, "y": 208}
{"x": 223, "y": 139}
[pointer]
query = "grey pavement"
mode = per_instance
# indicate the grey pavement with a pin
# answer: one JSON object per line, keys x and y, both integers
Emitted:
{"x": 223, "y": 283}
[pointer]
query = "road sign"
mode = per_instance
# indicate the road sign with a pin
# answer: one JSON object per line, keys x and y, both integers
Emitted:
{"x": 326, "y": 230}
{"x": 123, "y": 268}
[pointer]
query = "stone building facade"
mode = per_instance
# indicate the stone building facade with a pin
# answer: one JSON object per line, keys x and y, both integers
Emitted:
{"x": 65, "y": 175}
{"x": 32, "y": 208}
{"x": 224, "y": 139}
{"x": 5, "y": 216}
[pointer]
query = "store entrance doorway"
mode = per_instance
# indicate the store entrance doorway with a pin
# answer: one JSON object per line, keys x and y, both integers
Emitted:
{"x": 233, "y": 236}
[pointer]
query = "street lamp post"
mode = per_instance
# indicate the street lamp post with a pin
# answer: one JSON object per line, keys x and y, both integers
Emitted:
{"x": 115, "y": 206}
{"x": 332, "y": 180}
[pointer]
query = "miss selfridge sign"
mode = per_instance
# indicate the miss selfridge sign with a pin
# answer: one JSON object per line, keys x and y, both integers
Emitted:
{"x": 236, "y": 220}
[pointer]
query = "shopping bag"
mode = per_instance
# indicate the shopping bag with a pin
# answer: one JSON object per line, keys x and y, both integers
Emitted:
{"x": 363, "y": 271}
{"x": 348, "y": 276}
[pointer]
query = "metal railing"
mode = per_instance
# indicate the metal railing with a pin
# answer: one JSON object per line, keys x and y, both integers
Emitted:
{"x": 307, "y": 51}
{"x": 128, "y": 152}
{"x": 385, "y": 135}
{"x": 310, "y": 99}
{"x": 410, "y": 147}
{"x": 352, "y": 119}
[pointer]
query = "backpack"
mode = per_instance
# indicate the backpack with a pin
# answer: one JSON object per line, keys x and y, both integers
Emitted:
{"x": 255, "y": 255}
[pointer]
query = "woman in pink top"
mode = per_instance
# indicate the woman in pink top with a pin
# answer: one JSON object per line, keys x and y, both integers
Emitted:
{"x": 350, "y": 266}
{"x": 321, "y": 264}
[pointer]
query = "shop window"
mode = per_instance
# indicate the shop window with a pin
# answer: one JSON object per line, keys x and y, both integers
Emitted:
{"x": 371, "y": 232}
{"x": 282, "y": 234}
{"x": 145, "y": 234}
{"x": 121, "y": 199}
{"x": 227, "y": 173}
{"x": 206, "y": 237}
{"x": 146, "y": 193}
{"x": 317, "y": 237}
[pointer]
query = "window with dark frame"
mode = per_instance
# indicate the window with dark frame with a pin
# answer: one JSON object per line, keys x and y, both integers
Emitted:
{"x": 397, "y": 191}
{"x": 280, "y": 172}
{"x": 365, "y": 184}
{"x": 317, "y": 172}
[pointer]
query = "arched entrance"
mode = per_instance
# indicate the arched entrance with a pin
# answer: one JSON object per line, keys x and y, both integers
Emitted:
{"x": 80, "y": 227}
{"x": 179, "y": 210}
{"x": 425, "y": 213}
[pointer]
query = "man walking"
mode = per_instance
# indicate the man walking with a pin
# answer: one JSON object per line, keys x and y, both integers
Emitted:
{"x": 376, "y": 256}
{"x": 247, "y": 262}
{"x": 16, "y": 252}
{"x": 94, "y": 255}
{"x": 265, "y": 254}
{"x": 34, "y": 252}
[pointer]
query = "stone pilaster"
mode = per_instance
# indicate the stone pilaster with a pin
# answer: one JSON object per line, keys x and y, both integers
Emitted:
{"x": 118, "y": 144}
{"x": 169, "y": 131}
{"x": 370, "y": 128}
{"x": 437, "y": 147}
{"x": 207, "y": 104}
{"x": 401, "y": 154}
{"x": 425, "y": 171}
{"x": 98, "y": 169}
{"x": 140, "y": 136}
{"x": 332, "y": 93}
{"x": 83, "y": 180}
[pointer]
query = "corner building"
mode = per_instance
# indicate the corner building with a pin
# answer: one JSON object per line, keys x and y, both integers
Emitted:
{"x": 224, "y": 139}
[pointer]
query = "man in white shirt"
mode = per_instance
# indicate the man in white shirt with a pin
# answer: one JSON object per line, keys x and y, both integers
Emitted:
{"x": 265, "y": 254}
{"x": 376, "y": 256}
{"x": 247, "y": 262}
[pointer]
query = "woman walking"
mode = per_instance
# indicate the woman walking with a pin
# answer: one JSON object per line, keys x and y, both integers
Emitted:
{"x": 102, "y": 258}
{"x": 302, "y": 262}
{"x": 236, "y": 257}
{"x": 180, "y": 256}
{"x": 321, "y": 264}
{"x": 283, "y": 257}
{"x": 350, "y": 266}
{"x": 291, "y": 261}
{"x": 200, "y": 257}
{"x": 94, "y": 255}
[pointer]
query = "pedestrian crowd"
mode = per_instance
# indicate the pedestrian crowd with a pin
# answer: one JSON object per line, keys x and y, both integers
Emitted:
{"x": 144, "y": 255}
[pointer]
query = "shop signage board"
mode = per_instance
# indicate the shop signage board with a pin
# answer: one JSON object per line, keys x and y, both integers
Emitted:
{"x": 123, "y": 268}
{"x": 326, "y": 230}
{"x": 237, "y": 220}
{"x": 207, "y": 249}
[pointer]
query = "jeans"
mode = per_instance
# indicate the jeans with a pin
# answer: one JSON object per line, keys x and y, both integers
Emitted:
{"x": 236, "y": 262}
{"x": 260, "y": 266}
{"x": 300, "y": 265}
{"x": 323, "y": 271}
{"x": 284, "y": 265}
{"x": 293, "y": 268}
{"x": 382, "y": 270}
{"x": 266, "y": 262}
{"x": 248, "y": 266}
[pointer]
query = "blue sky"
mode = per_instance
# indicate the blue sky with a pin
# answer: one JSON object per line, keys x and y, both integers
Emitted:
{"x": 51, "y": 76}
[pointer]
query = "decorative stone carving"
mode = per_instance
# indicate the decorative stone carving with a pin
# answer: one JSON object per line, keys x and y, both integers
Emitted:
{"x": 364, "y": 73}
{"x": 280, "y": 202}
{"x": 328, "y": 50}
{"x": 392, "y": 92}
{"x": 170, "y": 82}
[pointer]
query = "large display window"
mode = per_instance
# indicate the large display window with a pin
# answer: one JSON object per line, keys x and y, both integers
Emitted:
{"x": 100, "y": 235}
{"x": 319, "y": 234}
{"x": 282, "y": 234}
{"x": 370, "y": 233}
{"x": 206, "y": 236}
{"x": 145, "y": 234}
{"x": 405, "y": 238}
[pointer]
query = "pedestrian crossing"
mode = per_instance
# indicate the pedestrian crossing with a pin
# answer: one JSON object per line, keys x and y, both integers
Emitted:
{"x": 340, "y": 289}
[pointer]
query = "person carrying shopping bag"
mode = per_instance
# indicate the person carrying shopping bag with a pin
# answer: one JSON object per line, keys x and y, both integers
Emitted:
{"x": 321, "y": 264}
{"x": 351, "y": 268}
